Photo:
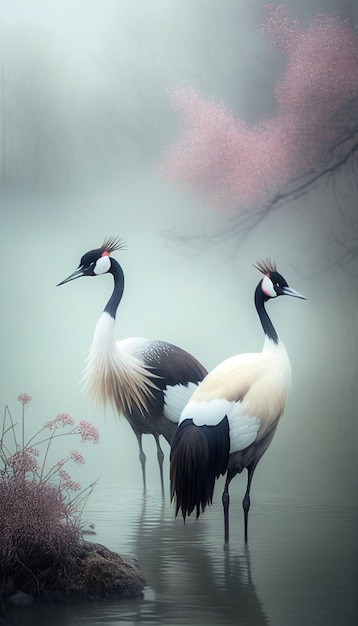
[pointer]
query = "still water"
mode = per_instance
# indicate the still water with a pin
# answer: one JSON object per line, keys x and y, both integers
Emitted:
{"x": 300, "y": 568}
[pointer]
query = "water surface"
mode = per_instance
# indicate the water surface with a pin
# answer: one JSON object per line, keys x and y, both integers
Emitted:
{"x": 300, "y": 567}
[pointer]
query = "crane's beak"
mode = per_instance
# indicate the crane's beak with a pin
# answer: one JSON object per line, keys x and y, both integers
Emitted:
{"x": 288, "y": 291}
{"x": 76, "y": 274}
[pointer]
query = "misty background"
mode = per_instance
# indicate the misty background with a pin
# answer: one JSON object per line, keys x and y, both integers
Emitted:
{"x": 85, "y": 116}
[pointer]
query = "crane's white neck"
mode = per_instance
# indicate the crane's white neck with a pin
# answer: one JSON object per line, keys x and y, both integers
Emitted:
{"x": 277, "y": 350}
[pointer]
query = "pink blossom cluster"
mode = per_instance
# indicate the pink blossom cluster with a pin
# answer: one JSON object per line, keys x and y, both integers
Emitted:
{"x": 77, "y": 457}
{"x": 24, "y": 398}
{"x": 66, "y": 481}
{"x": 88, "y": 431}
{"x": 321, "y": 76}
{"x": 237, "y": 165}
{"x": 24, "y": 461}
{"x": 60, "y": 421}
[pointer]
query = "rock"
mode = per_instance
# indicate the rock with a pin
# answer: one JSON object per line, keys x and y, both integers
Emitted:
{"x": 102, "y": 573}
{"x": 93, "y": 572}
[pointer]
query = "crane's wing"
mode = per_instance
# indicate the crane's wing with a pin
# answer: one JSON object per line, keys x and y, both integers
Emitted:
{"x": 177, "y": 373}
{"x": 248, "y": 390}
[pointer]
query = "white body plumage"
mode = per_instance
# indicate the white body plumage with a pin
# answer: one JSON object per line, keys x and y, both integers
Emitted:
{"x": 249, "y": 389}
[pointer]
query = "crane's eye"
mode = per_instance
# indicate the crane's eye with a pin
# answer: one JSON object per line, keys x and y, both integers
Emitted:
{"x": 277, "y": 284}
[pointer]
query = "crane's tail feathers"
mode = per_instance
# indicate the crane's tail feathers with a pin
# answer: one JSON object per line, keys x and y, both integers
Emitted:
{"x": 199, "y": 454}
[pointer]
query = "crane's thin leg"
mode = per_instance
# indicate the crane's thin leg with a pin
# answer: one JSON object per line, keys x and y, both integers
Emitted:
{"x": 160, "y": 457}
{"x": 226, "y": 503}
{"x": 142, "y": 459}
{"x": 246, "y": 500}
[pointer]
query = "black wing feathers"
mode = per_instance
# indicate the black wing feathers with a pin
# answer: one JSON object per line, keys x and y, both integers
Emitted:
{"x": 174, "y": 365}
{"x": 171, "y": 366}
{"x": 199, "y": 454}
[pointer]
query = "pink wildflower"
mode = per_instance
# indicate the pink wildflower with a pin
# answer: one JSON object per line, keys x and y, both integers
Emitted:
{"x": 77, "y": 457}
{"x": 24, "y": 461}
{"x": 62, "y": 420}
{"x": 88, "y": 431}
{"x": 67, "y": 482}
{"x": 32, "y": 451}
{"x": 24, "y": 398}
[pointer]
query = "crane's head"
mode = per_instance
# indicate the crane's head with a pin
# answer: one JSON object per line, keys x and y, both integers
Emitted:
{"x": 96, "y": 262}
{"x": 274, "y": 284}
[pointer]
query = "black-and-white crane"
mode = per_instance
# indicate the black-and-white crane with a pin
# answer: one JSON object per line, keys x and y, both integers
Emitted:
{"x": 230, "y": 420}
{"x": 147, "y": 381}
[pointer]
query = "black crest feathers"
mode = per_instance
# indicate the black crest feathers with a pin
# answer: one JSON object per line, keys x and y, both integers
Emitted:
{"x": 266, "y": 266}
{"x": 111, "y": 244}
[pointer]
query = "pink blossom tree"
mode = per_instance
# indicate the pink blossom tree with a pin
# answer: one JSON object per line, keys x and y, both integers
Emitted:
{"x": 247, "y": 169}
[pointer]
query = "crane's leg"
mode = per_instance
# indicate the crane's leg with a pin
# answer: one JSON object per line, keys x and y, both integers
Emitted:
{"x": 160, "y": 457}
{"x": 226, "y": 504}
{"x": 142, "y": 459}
{"x": 246, "y": 500}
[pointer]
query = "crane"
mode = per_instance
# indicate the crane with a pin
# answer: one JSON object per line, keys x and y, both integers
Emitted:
{"x": 231, "y": 418}
{"x": 147, "y": 381}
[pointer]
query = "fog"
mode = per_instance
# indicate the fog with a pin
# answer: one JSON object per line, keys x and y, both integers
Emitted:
{"x": 85, "y": 116}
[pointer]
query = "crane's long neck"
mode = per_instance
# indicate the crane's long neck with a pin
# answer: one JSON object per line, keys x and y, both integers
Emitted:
{"x": 118, "y": 276}
{"x": 113, "y": 375}
{"x": 266, "y": 323}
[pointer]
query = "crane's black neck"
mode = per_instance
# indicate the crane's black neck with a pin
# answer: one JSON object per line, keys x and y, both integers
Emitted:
{"x": 266, "y": 323}
{"x": 118, "y": 276}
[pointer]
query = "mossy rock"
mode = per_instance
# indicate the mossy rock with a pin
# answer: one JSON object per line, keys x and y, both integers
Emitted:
{"x": 102, "y": 573}
{"x": 93, "y": 572}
